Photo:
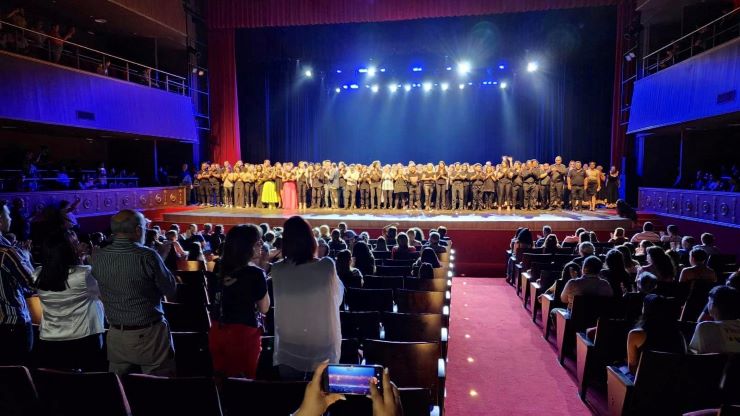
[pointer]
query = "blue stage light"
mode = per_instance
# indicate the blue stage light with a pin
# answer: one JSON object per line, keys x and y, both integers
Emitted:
{"x": 345, "y": 86}
{"x": 427, "y": 86}
{"x": 501, "y": 67}
{"x": 407, "y": 87}
{"x": 416, "y": 69}
{"x": 464, "y": 68}
{"x": 503, "y": 85}
{"x": 532, "y": 67}
{"x": 461, "y": 86}
{"x": 393, "y": 88}
{"x": 449, "y": 68}
{"x": 382, "y": 69}
{"x": 339, "y": 71}
{"x": 354, "y": 86}
{"x": 375, "y": 88}
{"x": 362, "y": 70}
{"x": 337, "y": 90}
{"x": 308, "y": 73}
{"x": 372, "y": 71}
{"x": 444, "y": 86}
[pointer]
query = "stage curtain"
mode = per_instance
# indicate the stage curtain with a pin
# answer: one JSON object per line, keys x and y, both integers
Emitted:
{"x": 231, "y": 14}
{"x": 224, "y": 140}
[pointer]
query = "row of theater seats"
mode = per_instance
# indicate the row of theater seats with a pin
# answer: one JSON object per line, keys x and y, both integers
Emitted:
{"x": 665, "y": 383}
{"x": 393, "y": 320}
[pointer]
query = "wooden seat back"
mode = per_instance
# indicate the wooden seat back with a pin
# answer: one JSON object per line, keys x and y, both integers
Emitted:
{"x": 195, "y": 395}
{"x": 59, "y": 393}
{"x": 417, "y": 301}
{"x": 413, "y": 327}
{"x": 379, "y": 300}
{"x": 360, "y": 325}
{"x": 257, "y": 397}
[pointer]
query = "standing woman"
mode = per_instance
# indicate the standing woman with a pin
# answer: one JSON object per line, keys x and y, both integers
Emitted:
{"x": 269, "y": 193}
{"x": 592, "y": 185}
{"x": 302, "y": 182}
{"x": 504, "y": 186}
{"x": 238, "y": 186}
{"x": 278, "y": 173}
{"x": 441, "y": 186}
{"x": 259, "y": 179}
{"x": 427, "y": 181}
{"x": 72, "y": 321}
{"x": 612, "y": 187}
{"x": 289, "y": 192}
{"x": 247, "y": 176}
{"x": 387, "y": 187}
{"x": 204, "y": 185}
{"x": 400, "y": 189}
{"x": 307, "y": 297}
{"x": 240, "y": 302}
{"x": 489, "y": 187}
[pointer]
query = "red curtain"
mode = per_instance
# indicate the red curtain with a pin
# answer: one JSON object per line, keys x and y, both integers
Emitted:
{"x": 225, "y": 144}
{"x": 231, "y": 14}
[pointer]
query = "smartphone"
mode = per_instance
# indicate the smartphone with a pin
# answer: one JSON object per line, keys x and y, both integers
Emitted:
{"x": 350, "y": 379}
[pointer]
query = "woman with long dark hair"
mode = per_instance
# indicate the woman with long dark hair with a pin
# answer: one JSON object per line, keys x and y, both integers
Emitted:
{"x": 616, "y": 274}
{"x": 72, "y": 322}
{"x": 428, "y": 256}
{"x": 659, "y": 264}
{"x": 402, "y": 251}
{"x": 656, "y": 331}
{"x": 241, "y": 300}
{"x": 350, "y": 276}
{"x": 307, "y": 293}
{"x": 364, "y": 259}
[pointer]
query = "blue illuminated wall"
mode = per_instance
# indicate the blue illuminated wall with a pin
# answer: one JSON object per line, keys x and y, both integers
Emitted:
{"x": 562, "y": 109}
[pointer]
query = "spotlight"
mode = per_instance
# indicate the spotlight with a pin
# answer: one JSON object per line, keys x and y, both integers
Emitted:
{"x": 393, "y": 88}
{"x": 362, "y": 70}
{"x": 201, "y": 73}
{"x": 308, "y": 73}
{"x": 416, "y": 69}
{"x": 464, "y": 68}
{"x": 532, "y": 67}
{"x": 445, "y": 86}
{"x": 354, "y": 86}
{"x": 375, "y": 88}
{"x": 338, "y": 90}
{"x": 461, "y": 86}
{"x": 345, "y": 86}
{"x": 382, "y": 69}
{"x": 372, "y": 71}
{"x": 427, "y": 86}
{"x": 501, "y": 67}
{"x": 407, "y": 87}
{"x": 503, "y": 85}
{"x": 195, "y": 70}
{"x": 449, "y": 68}
{"x": 339, "y": 71}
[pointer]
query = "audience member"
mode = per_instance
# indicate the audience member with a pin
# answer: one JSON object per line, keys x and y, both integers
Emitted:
{"x": 171, "y": 251}
{"x": 646, "y": 234}
{"x": 618, "y": 238}
{"x": 307, "y": 297}
{"x": 71, "y": 333}
{"x": 551, "y": 245}
{"x": 381, "y": 244}
{"x": 20, "y": 224}
{"x": 585, "y": 250}
{"x": 575, "y": 238}
{"x": 336, "y": 244}
{"x": 363, "y": 258}
{"x": 589, "y": 284}
{"x": 615, "y": 273}
{"x": 426, "y": 271}
{"x": 240, "y": 302}
{"x": 659, "y": 264}
{"x": 672, "y": 237}
{"x": 707, "y": 244}
{"x": 402, "y": 251}
{"x": 132, "y": 281}
{"x": 656, "y": 331}
{"x": 698, "y": 269}
{"x": 428, "y": 256}
{"x": 546, "y": 231}
{"x": 722, "y": 334}
{"x": 16, "y": 331}
{"x": 348, "y": 274}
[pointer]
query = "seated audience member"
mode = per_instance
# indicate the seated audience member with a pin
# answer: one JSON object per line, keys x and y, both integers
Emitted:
{"x": 171, "y": 251}
{"x": 380, "y": 244}
{"x": 307, "y": 297}
{"x": 364, "y": 259}
{"x": 193, "y": 236}
{"x": 585, "y": 250}
{"x": 269, "y": 238}
{"x": 656, "y": 331}
{"x": 316, "y": 401}
{"x": 240, "y": 302}
{"x": 733, "y": 281}
{"x": 442, "y": 230}
{"x": 707, "y": 244}
{"x": 659, "y": 264}
{"x": 646, "y": 283}
{"x": 618, "y": 237}
{"x": 16, "y": 330}
{"x": 347, "y": 274}
{"x": 687, "y": 244}
{"x": 217, "y": 239}
{"x": 207, "y": 230}
{"x": 390, "y": 232}
{"x": 646, "y": 234}
{"x": 71, "y": 332}
{"x": 698, "y": 270}
{"x": 325, "y": 232}
{"x": 342, "y": 227}
{"x": 426, "y": 271}
{"x": 323, "y": 249}
{"x": 428, "y": 256}
{"x": 336, "y": 244}
{"x": 434, "y": 243}
{"x": 575, "y": 238}
{"x": 261, "y": 257}
{"x": 643, "y": 246}
{"x": 66, "y": 212}
{"x": 672, "y": 237}
{"x": 589, "y": 284}
{"x": 546, "y": 231}
{"x": 402, "y": 251}
{"x": 551, "y": 245}
{"x": 522, "y": 242}
{"x": 350, "y": 238}
{"x": 722, "y": 333}
{"x": 196, "y": 254}
{"x": 129, "y": 275}
{"x": 570, "y": 271}
{"x": 151, "y": 240}
{"x": 413, "y": 241}
{"x": 615, "y": 273}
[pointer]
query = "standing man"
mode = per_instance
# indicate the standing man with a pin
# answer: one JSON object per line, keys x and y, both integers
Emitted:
{"x": 376, "y": 177}
{"x": 544, "y": 180}
{"x": 204, "y": 184}
{"x": 414, "y": 179}
{"x": 16, "y": 331}
{"x": 576, "y": 180}
{"x": 132, "y": 280}
{"x": 333, "y": 178}
{"x": 528, "y": 185}
{"x": 441, "y": 186}
{"x": 352, "y": 177}
{"x": 457, "y": 177}
{"x": 558, "y": 173}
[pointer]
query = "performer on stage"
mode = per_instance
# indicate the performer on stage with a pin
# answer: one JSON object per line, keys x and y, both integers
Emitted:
{"x": 289, "y": 193}
{"x": 387, "y": 187}
{"x": 427, "y": 180}
{"x": 442, "y": 178}
{"x": 592, "y": 185}
{"x": 269, "y": 193}
{"x": 612, "y": 187}
{"x": 204, "y": 185}
{"x": 576, "y": 182}
{"x": 558, "y": 173}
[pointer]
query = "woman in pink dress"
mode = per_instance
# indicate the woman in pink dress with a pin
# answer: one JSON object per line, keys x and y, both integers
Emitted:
{"x": 289, "y": 193}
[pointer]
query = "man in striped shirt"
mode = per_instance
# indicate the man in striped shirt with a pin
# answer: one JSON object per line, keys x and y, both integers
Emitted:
{"x": 16, "y": 332}
{"x": 132, "y": 279}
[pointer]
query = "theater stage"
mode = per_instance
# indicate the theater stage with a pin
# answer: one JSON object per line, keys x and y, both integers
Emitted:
{"x": 480, "y": 238}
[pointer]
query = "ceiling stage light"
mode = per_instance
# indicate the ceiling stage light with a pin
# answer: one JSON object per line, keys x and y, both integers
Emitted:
{"x": 393, "y": 88}
{"x": 338, "y": 90}
{"x": 501, "y": 67}
{"x": 503, "y": 85}
{"x": 427, "y": 86}
{"x": 444, "y": 86}
{"x": 308, "y": 73}
{"x": 461, "y": 86}
{"x": 407, "y": 87}
{"x": 532, "y": 67}
{"x": 464, "y": 68}
{"x": 372, "y": 71}
{"x": 375, "y": 88}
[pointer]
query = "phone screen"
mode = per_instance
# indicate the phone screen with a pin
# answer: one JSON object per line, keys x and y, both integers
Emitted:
{"x": 350, "y": 379}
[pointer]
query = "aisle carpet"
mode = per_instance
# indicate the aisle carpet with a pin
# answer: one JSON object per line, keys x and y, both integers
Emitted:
{"x": 498, "y": 363}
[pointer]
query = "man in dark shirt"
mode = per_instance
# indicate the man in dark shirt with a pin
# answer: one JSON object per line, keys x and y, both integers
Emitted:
{"x": 529, "y": 179}
{"x": 544, "y": 186}
{"x": 558, "y": 173}
{"x": 457, "y": 177}
{"x": 16, "y": 331}
{"x": 576, "y": 179}
{"x": 132, "y": 280}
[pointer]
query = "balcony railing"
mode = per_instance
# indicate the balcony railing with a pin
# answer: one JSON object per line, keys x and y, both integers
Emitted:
{"x": 42, "y": 46}
{"x": 716, "y": 32}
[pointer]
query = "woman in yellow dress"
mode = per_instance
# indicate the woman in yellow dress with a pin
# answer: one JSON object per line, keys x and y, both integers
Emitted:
{"x": 269, "y": 193}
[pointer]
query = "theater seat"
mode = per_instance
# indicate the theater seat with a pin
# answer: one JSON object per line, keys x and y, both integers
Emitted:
{"x": 413, "y": 327}
{"x": 81, "y": 394}
{"x": 186, "y": 318}
{"x": 192, "y": 355}
{"x": 18, "y": 394}
{"x": 430, "y": 285}
{"x": 383, "y": 282}
{"x": 165, "y": 396}
{"x": 264, "y": 398}
{"x": 609, "y": 346}
{"x": 585, "y": 312}
{"x": 360, "y": 325}
{"x": 379, "y": 300}
{"x": 417, "y": 301}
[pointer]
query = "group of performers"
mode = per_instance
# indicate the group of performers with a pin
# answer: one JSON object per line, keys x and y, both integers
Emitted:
{"x": 508, "y": 185}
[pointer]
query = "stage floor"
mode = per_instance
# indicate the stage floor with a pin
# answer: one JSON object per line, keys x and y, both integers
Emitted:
{"x": 603, "y": 220}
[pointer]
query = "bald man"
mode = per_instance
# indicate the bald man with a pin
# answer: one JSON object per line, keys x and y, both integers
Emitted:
{"x": 132, "y": 280}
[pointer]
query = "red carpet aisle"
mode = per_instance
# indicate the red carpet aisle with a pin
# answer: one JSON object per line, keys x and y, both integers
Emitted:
{"x": 498, "y": 363}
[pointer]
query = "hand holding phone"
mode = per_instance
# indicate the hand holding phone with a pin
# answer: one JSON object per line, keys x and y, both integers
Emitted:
{"x": 350, "y": 379}
{"x": 388, "y": 401}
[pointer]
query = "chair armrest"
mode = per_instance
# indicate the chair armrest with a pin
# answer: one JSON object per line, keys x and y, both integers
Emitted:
{"x": 584, "y": 361}
{"x": 619, "y": 388}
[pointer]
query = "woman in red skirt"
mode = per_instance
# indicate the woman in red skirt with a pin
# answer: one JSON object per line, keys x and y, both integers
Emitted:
{"x": 240, "y": 302}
